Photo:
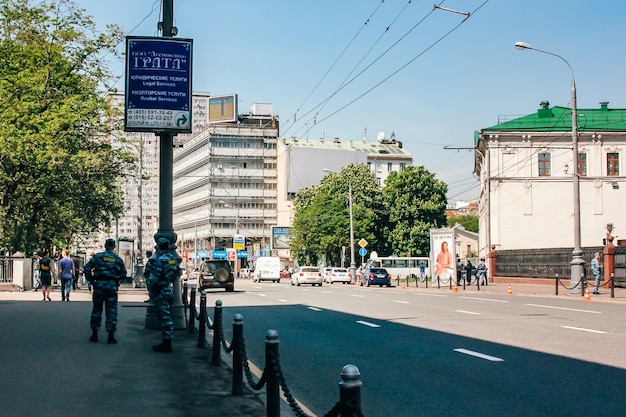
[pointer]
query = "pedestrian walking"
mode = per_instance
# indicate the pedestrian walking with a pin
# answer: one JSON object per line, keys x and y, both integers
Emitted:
{"x": 36, "y": 279}
{"x": 422, "y": 271}
{"x": 105, "y": 271}
{"x": 459, "y": 271}
{"x": 163, "y": 273}
{"x": 596, "y": 268}
{"x": 66, "y": 273}
{"x": 45, "y": 275}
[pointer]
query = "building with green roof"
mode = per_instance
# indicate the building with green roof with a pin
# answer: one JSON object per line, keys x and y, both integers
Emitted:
{"x": 525, "y": 168}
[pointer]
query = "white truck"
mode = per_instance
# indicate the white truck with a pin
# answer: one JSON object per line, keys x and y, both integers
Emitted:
{"x": 267, "y": 268}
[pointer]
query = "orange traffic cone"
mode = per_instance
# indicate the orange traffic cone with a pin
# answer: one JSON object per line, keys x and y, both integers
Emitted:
{"x": 587, "y": 297}
{"x": 509, "y": 291}
{"x": 403, "y": 286}
{"x": 456, "y": 288}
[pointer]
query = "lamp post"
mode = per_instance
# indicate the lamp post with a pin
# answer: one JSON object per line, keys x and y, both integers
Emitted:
{"x": 352, "y": 268}
{"x": 577, "y": 263}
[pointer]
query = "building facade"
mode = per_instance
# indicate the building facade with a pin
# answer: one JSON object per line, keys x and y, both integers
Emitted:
{"x": 225, "y": 184}
{"x": 525, "y": 170}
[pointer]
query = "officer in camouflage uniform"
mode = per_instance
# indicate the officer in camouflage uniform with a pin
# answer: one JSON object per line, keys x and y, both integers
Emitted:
{"x": 104, "y": 271}
{"x": 163, "y": 272}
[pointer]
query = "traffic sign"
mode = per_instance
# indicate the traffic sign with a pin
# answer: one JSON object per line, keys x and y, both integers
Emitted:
{"x": 362, "y": 251}
{"x": 362, "y": 243}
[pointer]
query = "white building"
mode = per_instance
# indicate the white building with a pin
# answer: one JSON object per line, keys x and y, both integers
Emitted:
{"x": 525, "y": 169}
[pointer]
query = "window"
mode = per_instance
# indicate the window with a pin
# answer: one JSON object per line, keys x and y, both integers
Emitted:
{"x": 582, "y": 164}
{"x": 612, "y": 164}
{"x": 544, "y": 164}
{"x": 389, "y": 166}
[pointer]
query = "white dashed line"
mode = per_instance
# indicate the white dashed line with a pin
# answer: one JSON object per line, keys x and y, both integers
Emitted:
{"x": 401, "y": 302}
{"x": 467, "y": 312}
{"x": 484, "y": 299}
{"x": 564, "y": 308}
{"x": 429, "y": 295}
{"x": 366, "y": 323}
{"x": 358, "y": 295}
{"x": 582, "y": 329}
{"x": 283, "y": 301}
{"x": 479, "y": 355}
{"x": 314, "y": 308}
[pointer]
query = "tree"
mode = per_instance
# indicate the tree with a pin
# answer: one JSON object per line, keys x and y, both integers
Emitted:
{"x": 322, "y": 221}
{"x": 416, "y": 202}
{"x": 58, "y": 177}
{"x": 468, "y": 222}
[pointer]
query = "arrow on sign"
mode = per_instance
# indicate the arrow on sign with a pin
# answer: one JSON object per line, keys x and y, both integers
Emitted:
{"x": 181, "y": 120}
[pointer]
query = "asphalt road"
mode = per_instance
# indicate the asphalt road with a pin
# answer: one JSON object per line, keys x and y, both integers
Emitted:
{"x": 431, "y": 352}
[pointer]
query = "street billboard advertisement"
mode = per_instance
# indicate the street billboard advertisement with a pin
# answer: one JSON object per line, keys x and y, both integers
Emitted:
{"x": 158, "y": 85}
{"x": 223, "y": 108}
{"x": 443, "y": 252}
{"x": 280, "y": 237}
{"x": 125, "y": 249}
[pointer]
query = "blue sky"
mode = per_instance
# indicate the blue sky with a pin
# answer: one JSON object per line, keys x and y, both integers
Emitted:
{"x": 409, "y": 70}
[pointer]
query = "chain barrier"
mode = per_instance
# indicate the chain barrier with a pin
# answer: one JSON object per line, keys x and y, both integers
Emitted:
{"x": 568, "y": 288}
{"x": 246, "y": 367}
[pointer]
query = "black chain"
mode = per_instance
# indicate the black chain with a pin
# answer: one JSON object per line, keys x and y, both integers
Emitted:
{"x": 225, "y": 345}
{"x": 246, "y": 367}
{"x": 568, "y": 288}
{"x": 276, "y": 369}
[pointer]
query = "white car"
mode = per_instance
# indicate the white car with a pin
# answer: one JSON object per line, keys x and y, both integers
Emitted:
{"x": 307, "y": 275}
{"x": 338, "y": 275}
{"x": 190, "y": 277}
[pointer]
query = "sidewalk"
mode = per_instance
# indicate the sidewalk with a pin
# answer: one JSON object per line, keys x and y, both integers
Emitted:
{"x": 52, "y": 369}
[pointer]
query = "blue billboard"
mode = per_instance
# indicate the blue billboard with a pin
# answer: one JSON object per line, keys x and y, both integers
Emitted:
{"x": 158, "y": 85}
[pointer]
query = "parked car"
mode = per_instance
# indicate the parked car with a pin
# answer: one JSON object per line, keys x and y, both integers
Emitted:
{"x": 216, "y": 273}
{"x": 338, "y": 275}
{"x": 190, "y": 277}
{"x": 376, "y": 276}
{"x": 244, "y": 273}
{"x": 307, "y": 275}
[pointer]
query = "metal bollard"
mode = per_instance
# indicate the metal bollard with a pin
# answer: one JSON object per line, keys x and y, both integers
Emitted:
{"x": 202, "y": 320}
{"x": 237, "y": 388}
{"x": 185, "y": 293}
{"x": 426, "y": 281}
{"x": 583, "y": 285}
{"x": 477, "y": 283}
{"x": 350, "y": 392}
{"x": 612, "y": 284}
{"x": 272, "y": 385}
{"x": 191, "y": 326}
{"x": 438, "y": 282}
{"x": 217, "y": 327}
{"x": 556, "y": 285}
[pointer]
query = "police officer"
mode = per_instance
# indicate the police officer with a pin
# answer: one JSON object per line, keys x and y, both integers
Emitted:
{"x": 163, "y": 272}
{"x": 104, "y": 271}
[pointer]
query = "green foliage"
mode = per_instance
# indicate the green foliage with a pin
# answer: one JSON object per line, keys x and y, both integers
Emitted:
{"x": 322, "y": 220}
{"x": 394, "y": 220}
{"x": 58, "y": 178}
{"x": 469, "y": 222}
{"x": 416, "y": 201}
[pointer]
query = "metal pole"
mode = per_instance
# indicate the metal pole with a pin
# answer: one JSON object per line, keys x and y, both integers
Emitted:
{"x": 352, "y": 262}
{"x": 612, "y": 285}
{"x": 202, "y": 320}
{"x": 350, "y": 392}
{"x": 577, "y": 263}
{"x": 556, "y": 285}
{"x": 217, "y": 325}
{"x": 272, "y": 384}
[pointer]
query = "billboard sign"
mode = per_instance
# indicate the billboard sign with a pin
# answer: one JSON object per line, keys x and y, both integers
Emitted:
{"x": 158, "y": 85}
{"x": 223, "y": 108}
{"x": 125, "y": 250}
{"x": 280, "y": 237}
{"x": 443, "y": 252}
{"x": 239, "y": 242}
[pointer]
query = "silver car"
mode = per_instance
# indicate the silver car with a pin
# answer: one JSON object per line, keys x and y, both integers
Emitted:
{"x": 338, "y": 275}
{"x": 307, "y": 275}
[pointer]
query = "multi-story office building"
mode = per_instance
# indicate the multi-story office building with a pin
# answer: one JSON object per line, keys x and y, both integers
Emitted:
{"x": 225, "y": 184}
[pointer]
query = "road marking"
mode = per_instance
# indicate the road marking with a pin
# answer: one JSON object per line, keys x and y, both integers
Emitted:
{"x": 283, "y": 301}
{"x": 367, "y": 323}
{"x": 479, "y": 355}
{"x": 327, "y": 292}
{"x": 582, "y": 329}
{"x": 564, "y": 308}
{"x": 262, "y": 295}
{"x": 314, "y": 308}
{"x": 429, "y": 295}
{"x": 484, "y": 299}
{"x": 467, "y": 312}
{"x": 401, "y": 302}
{"x": 358, "y": 295}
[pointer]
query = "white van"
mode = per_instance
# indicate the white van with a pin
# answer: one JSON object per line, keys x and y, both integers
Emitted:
{"x": 267, "y": 268}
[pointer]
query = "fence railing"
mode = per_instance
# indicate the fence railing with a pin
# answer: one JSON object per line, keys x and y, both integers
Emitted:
{"x": 272, "y": 379}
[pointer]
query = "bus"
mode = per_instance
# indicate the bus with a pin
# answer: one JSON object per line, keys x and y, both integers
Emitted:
{"x": 402, "y": 266}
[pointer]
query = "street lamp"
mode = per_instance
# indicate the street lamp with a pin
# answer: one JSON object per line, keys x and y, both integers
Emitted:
{"x": 352, "y": 262}
{"x": 578, "y": 264}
